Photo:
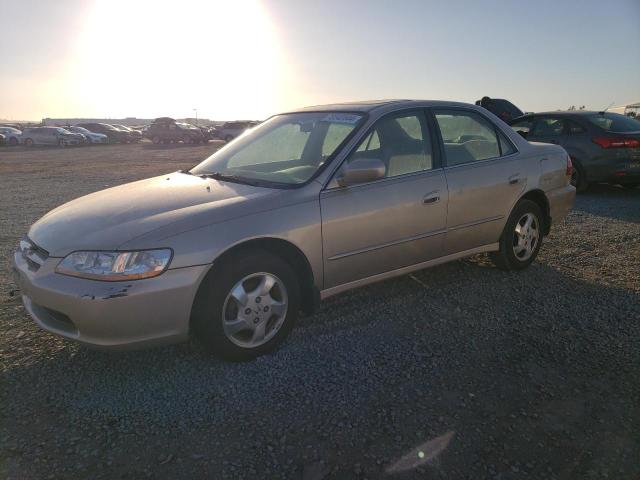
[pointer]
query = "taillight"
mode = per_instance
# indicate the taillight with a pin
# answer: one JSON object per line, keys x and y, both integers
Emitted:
{"x": 605, "y": 142}
{"x": 569, "y": 171}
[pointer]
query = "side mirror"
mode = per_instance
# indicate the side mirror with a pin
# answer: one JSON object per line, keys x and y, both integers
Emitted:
{"x": 361, "y": 170}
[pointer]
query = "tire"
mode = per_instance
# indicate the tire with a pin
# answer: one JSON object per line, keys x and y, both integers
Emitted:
{"x": 155, "y": 140}
{"x": 28, "y": 142}
{"x": 186, "y": 139}
{"x": 228, "y": 138}
{"x": 578, "y": 178}
{"x": 13, "y": 141}
{"x": 62, "y": 143}
{"x": 529, "y": 239}
{"x": 230, "y": 328}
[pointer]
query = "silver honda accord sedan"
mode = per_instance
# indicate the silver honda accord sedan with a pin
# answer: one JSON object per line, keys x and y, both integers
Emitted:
{"x": 309, "y": 204}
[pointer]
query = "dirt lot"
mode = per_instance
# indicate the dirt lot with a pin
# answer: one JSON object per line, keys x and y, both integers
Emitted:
{"x": 460, "y": 371}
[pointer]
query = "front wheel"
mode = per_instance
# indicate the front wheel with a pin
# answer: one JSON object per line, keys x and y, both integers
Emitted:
{"x": 246, "y": 307}
{"x": 521, "y": 238}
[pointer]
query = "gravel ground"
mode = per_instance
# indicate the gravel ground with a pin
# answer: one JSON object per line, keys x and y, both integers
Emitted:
{"x": 460, "y": 371}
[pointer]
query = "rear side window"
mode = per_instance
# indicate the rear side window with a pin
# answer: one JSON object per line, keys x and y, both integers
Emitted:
{"x": 506, "y": 147}
{"x": 614, "y": 122}
{"x": 573, "y": 128}
{"x": 467, "y": 136}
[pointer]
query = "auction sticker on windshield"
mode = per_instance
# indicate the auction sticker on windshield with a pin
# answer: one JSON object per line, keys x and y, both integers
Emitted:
{"x": 348, "y": 118}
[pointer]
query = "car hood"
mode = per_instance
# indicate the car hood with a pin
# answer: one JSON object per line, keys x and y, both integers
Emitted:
{"x": 109, "y": 218}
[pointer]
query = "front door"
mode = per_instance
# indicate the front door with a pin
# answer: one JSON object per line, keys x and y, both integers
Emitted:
{"x": 397, "y": 221}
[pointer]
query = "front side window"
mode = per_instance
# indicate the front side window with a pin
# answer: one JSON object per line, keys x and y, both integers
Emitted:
{"x": 400, "y": 141}
{"x": 286, "y": 149}
{"x": 467, "y": 137}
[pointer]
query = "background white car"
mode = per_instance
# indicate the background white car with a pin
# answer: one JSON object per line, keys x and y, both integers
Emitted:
{"x": 91, "y": 137}
{"x": 12, "y": 135}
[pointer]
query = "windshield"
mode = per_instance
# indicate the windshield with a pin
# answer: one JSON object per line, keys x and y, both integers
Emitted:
{"x": 62, "y": 130}
{"x": 286, "y": 149}
{"x": 614, "y": 122}
{"x": 79, "y": 129}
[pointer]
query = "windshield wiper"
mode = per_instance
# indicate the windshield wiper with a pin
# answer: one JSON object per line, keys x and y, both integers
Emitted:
{"x": 225, "y": 177}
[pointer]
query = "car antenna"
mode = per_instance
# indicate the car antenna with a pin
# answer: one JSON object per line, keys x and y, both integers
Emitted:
{"x": 608, "y": 107}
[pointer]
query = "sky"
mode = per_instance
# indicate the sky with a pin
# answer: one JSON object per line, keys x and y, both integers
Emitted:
{"x": 232, "y": 59}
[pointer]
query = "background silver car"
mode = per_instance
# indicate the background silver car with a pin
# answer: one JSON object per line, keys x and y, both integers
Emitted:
{"x": 307, "y": 205}
{"x": 50, "y": 136}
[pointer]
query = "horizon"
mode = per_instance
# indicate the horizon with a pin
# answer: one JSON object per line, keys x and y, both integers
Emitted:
{"x": 251, "y": 59}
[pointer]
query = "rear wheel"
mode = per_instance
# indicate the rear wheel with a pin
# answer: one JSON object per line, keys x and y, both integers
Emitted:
{"x": 246, "y": 307}
{"x": 13, "y": 141}
{"x": 155, "y": 140}
{"x": 28, "y": 142}
{"x": 228, "y": 138}
{"x": 186, "y": 139}
{"x": 578, "y": 177}
{"x": 521, "y": 238}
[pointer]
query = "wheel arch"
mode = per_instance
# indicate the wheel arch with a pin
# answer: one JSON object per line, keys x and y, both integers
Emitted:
{"x": 540, "y": 198}
{"x": 290, "y": 253}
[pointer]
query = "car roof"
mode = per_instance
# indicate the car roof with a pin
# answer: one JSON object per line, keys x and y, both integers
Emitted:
{"x": 569, "y": 113}
{"x": 370, "y": 105}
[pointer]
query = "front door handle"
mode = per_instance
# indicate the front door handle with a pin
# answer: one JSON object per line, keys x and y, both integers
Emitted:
{"x": 433, "y": 197}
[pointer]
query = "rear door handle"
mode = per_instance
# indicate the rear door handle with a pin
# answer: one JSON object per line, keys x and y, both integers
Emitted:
{"x": 433, "y": 197}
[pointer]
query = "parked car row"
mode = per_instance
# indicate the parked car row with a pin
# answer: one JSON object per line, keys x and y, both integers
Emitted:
{"x": 161, "y": 130}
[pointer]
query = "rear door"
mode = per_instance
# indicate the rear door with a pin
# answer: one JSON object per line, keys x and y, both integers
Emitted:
{"x": 393, "y": 222}
{"x": 485, "y": 175}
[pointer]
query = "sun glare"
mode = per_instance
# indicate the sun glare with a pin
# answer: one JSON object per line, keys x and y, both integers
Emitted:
{"x": 151, "y": 58}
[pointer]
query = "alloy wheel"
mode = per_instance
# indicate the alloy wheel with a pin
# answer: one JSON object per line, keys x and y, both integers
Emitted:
{"x": 526, "y": 237}
{"x": 254, "y": 310}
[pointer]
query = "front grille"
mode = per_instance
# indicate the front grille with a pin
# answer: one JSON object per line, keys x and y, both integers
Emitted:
{"x": 34, "y": 255}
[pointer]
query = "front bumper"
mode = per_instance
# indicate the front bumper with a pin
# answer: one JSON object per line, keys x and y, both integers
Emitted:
{"x": 132, "y": 314}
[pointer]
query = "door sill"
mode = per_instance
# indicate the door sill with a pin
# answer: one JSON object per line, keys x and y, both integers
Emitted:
{"x": 405, "y": 270}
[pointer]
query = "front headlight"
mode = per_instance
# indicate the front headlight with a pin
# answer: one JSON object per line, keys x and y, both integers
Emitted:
{"x": 115, "y": 266}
